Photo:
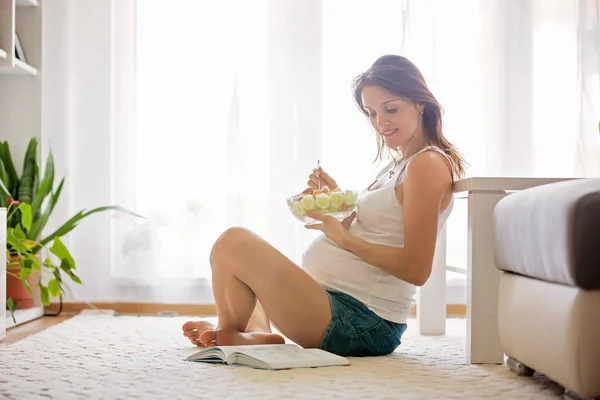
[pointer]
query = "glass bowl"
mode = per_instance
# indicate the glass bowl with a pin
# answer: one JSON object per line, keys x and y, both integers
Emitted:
{"x": 336, "y": 203}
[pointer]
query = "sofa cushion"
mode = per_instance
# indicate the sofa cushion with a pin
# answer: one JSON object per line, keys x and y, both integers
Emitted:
{"x": 551, "y": 232}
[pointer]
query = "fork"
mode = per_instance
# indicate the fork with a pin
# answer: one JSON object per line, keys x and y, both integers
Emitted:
{"x": 318, "y": 174}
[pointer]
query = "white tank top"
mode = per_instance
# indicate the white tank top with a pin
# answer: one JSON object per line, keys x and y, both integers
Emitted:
{"x": 378, "y": 221}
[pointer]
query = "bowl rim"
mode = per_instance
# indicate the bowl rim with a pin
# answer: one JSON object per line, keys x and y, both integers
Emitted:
{"x": 300, "y": 195}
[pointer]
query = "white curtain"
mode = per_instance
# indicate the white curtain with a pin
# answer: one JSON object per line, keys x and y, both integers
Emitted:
{"x": 588, "y": 88}
{"x": 230, "y": 122}
{"x": 519, "y": 84}
{"x": 231, "y": 110}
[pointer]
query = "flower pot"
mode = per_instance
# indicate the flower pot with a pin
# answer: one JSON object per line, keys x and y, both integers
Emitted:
{"x": 16, "y": 291}
{"x": 14, "y": 287}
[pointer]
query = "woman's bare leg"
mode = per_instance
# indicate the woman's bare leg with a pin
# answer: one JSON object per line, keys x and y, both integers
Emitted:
{"x": 246, "y": 268}
{"x": 259, "y": 322}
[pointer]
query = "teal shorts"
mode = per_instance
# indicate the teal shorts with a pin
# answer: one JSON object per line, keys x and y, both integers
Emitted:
{"x": 356, "y": 331}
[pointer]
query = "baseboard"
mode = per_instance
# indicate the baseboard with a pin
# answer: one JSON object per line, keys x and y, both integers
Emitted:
{"x": 452, "y": 310}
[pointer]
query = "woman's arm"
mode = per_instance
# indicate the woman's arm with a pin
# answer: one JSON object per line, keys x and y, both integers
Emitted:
{"x": 427, "y": 180}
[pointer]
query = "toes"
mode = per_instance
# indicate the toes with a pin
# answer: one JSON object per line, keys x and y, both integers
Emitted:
{"x": 197, "y": 325}
{"x": 193, "y": 337}
{"x": 208, "y": 336}
{"x": 188, "y": 326}
{"x": 191, "y": 334}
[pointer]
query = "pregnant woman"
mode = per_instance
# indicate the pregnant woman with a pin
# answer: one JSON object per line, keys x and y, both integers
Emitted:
{"x": 353, "y": 291}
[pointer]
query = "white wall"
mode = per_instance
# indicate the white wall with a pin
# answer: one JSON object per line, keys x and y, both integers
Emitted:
{"x": 77, "y": 121}
{"x": 55, "y": 97}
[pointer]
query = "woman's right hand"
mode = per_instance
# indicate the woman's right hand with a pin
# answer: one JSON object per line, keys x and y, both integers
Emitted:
{"x": 319, "y": 176}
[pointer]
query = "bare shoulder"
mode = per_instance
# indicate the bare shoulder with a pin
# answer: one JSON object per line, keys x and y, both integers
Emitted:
{"x": 428, "y": 169}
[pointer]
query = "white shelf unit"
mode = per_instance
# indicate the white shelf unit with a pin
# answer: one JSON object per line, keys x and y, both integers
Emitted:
{"x": 20, "y": 109}
{"x": 22, "y": 17}
{"x": 19, "y": 68}
{"x": 2, "y": 276}
{"x": 22, "y": 316}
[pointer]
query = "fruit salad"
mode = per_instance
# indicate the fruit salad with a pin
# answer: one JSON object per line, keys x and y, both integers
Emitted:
{"x": 337, "y": 203}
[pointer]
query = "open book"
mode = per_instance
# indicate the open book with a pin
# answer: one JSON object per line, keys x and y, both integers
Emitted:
{"x": 269, "y": 356}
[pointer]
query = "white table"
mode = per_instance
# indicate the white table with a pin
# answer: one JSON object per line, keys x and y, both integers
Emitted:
{"x": 482, "y": 342}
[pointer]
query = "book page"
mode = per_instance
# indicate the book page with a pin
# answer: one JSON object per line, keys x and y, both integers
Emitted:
{"x": 212, "y": 353}
{"x": 253, "y": 350}
{"x": 225, "y": 352}
{"x": 275, "y": 356}
{"x": 287, "y": 356}
{"x": 270, "y": 354}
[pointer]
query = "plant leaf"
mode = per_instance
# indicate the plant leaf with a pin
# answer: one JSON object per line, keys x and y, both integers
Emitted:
{"x": 25, "y": 283}
{"x": 53, "y": 288}
{"x": 5, "y": 192}
{"x": 28, "y": 178}
{"x": 4, "y": 184}
{"x": 65, "y": 267}
{"x": 44, "y": 294}
{"x": 72, "y": 223}
{"x": 25, "y": 215}
{"x": 31, "y": 261}
{"x": 60, "y": 250}
{"x": 40, "y": 223}
{"x": 12, "y": 306}
{"x": 24, "y": 273}
{"x": 69, "y": 272}
{"x": 13, "y": 178}
{"x": 45, "y": 187}
{"x": 18, "y": 232}
{"x": 75, "y": 278}
{"x": 14, "y": 242}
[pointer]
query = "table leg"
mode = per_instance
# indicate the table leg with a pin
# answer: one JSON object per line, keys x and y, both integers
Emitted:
{"x": 431, "y": 297}
{"x": 483, "y": 279}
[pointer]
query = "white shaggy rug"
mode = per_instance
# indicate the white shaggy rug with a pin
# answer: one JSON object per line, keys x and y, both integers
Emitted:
{"x": 98, "y": 356}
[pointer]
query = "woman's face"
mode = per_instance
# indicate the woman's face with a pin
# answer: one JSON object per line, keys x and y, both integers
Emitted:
{"x": 396, "y": 119}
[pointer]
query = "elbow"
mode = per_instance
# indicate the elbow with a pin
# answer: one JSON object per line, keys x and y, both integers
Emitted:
{"x": 417, "y": 275}
{"x": 420, "y": 280}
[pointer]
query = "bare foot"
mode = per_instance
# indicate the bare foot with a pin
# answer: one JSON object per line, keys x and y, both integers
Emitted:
{"x": 193, "y": 329}
{"x": 226, "y": 337}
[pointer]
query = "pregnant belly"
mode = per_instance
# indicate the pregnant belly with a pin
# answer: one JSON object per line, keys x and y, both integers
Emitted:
{"x": 335, "y": 267}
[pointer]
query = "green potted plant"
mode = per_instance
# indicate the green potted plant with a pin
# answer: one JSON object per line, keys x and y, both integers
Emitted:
{"x": 32, "y": 255}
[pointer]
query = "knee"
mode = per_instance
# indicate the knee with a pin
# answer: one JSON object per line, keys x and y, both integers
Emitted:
{"x": 228, "y": 244}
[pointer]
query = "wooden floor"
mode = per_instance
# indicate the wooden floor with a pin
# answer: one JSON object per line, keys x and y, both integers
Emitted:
{"x": 20, "y": 332}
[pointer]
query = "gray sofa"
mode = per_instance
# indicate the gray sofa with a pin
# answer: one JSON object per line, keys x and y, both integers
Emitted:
{"x": 547, "y": 246}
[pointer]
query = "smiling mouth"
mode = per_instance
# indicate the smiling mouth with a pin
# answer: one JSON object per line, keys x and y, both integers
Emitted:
{"x": 389, "y": 132}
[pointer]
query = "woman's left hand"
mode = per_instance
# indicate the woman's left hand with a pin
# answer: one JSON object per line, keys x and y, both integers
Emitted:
{"x": 331, "y": 227}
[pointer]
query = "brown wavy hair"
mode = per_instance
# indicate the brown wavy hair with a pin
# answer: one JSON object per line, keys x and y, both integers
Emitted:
{"x": 402, "y": 78}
